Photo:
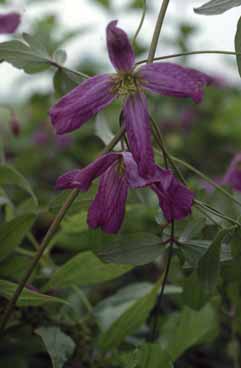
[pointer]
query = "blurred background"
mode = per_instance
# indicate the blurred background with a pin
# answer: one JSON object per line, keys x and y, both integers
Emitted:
{"x": 86, "y": 21}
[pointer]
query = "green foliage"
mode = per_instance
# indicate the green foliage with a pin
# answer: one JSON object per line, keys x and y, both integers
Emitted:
{"x": 77, "y": 272}
{"x": 217, "y": 6}
{"x": 10, "y": 176}
{"x": 28, "y": 296}
{"x": 59, "y": 345}
{"x": 13, "y": 232}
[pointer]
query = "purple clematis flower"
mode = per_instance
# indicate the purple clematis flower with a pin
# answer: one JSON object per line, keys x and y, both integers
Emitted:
{"x": 94, "y": 94}
{"x": 118, "y": 172}
{"x": 9, "y": 22}
{"x": 233, "y": 174}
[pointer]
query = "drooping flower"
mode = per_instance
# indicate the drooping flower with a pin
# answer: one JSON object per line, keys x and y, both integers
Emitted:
{"x": 9, "y": 22}
{"x": 94, "y": 94}
{"x": 233, "y": 174}
{"x": 118, "y": 172}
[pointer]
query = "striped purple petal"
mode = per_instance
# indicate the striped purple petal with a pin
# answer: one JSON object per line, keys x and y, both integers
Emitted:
{"x": 136, "y": 121}
{"x": 170, "y": 79}
{"x": 108, "y": 208}
{"x": 132, "y": 174}
{"x": 82, "y": 103}
{"x": 120, "y": 51}
{"x": 174, "y": 198}
{"x": 82, "y": 179}
{"x": 9, "y": 22}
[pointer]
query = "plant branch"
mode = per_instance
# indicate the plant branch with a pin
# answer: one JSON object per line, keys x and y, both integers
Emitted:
{"x": 155, "y": 313}
{"x": 49, "y": 235}
{"x": 157, "y": 31}
{"x": 171, "y": 56}
{"x": 140, "y": 24}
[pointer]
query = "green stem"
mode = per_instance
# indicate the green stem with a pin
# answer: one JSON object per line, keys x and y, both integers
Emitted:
{"x": 49, "y": 235}
{"x": 221, "y": 52}
{"x": 206, "y": 178}
{"x": 155, "y": 313}
{"x": 157, "y": 31}
{"x": 140, "y": 24}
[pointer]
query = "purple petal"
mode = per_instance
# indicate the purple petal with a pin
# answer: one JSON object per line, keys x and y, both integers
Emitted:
{"x": 174, "y": 198}
{"x": 108, "y": 208}
{"x": 233, "y": 175}
{"x": 173, "y": 80}
{"x": 9, "y": 22}
{"x": 137, "y": 126}
{"x": 83, "y": 178}
{"x": 120, "y": 51}
{"x": 82, "y": 103}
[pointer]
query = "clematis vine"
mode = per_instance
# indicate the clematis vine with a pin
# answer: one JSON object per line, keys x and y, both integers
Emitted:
{"x": 118, "y": 172}
{"x": 9, "y": 22}
{"x": 129, "y": 83}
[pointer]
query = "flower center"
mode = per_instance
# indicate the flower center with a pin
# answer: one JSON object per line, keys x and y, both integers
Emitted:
{"x": 125, "y": 84}
{"x": 121, "y": 168}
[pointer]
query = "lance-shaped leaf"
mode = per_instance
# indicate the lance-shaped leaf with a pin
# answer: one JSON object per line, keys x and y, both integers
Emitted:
{"x": 238, "y": 45}
{"x": 209, "y": 265}
{"x": 28, "y": 297}
{"x": 217, "y": 7}
{"x": 10, "y": 176}
{"x": 13, "y": 232}
{"x": 59, "y": 345}
{"x": 85, "y": 269}
{"x": 130, "y": 320}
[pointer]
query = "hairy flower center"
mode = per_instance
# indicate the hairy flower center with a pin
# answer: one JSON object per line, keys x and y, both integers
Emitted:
{"x": 125, "y": 84}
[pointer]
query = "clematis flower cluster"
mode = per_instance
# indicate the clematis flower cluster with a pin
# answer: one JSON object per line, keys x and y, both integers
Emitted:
{"x": 118, "y": 172}
{"x": 9, "y": 22}
{"x": 116, "y": 169}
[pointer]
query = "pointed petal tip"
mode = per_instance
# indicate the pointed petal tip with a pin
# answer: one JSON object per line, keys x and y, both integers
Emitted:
{"x": 120, "y": 50}
{"x": 9, "y": 22}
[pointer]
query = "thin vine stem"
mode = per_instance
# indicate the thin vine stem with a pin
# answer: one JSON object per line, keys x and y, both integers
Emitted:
{"x": 155, "y": 313}
{"x": 140, "y": 24}
{"x": 157, "y": 31}
{"x": 205, "y": 177}
{"x": 49, "y": 235}
{"x": 171, "y": 56}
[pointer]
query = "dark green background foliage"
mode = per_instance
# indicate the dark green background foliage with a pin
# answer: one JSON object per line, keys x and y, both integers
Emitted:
{"x": 88, "y": 302}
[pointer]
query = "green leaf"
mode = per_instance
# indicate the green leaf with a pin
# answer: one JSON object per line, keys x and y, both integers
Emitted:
{"x": 135, "y": 249}
{"x": 237, "y": 42}
{"x": 13, "y": 267}
{"x": 85, "y": 269}
{"x": 13, "y": 232}
{"x": 214, "y": 7}
{"x": 209, "y": 265}
{"x": 129, "y": 321}
{"x": 187, "y": 328}
{"x": 10, "y": 176}
{"x": 194, "y": 294}
{"x": 28, "y": 297}
{"x": 24, "y": 56}
{"x": 63, "y": 82}
{"x": 59, "y": 345}
{"x": 151, "y": 356}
